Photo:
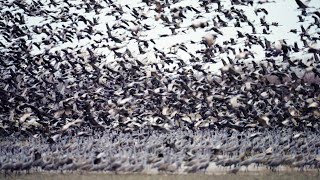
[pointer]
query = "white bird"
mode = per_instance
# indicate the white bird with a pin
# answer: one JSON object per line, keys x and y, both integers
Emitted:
{"x": 210, "y": 39}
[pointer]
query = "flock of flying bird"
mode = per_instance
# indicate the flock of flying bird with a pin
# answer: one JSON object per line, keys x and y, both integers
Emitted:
{"x": 96, "y": 65}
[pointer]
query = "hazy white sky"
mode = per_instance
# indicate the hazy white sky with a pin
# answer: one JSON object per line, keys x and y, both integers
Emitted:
{"x": 283, "y": 11}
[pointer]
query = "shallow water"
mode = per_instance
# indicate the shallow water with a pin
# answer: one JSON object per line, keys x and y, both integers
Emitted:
{"x": 99, "y": 176}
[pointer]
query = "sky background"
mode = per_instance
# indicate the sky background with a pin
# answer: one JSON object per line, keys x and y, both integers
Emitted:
{"x": 283, "y": 12}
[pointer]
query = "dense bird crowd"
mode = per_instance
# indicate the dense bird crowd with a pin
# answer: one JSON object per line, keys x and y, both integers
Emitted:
{"x": 157, "y": 152}
{"x": 70, "y": 66}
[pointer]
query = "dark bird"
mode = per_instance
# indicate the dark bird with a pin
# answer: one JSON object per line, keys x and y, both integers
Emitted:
{"x": 301, "y": 4}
